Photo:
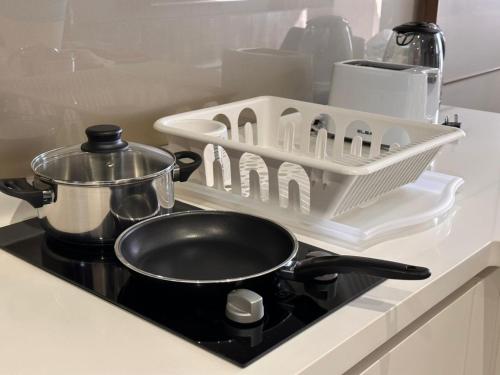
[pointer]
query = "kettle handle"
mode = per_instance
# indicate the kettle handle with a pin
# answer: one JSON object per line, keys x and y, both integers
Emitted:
{"x": 443, "y": 40}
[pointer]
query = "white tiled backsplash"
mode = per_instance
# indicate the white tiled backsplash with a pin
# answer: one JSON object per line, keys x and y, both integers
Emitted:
{"x": 68, "y": 64}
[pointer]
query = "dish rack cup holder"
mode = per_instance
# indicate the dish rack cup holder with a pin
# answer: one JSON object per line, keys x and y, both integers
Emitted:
{"x": 275, "y": 161}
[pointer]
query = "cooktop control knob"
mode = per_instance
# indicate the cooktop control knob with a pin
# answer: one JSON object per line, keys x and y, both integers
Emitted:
{"x": 244, "y": 306}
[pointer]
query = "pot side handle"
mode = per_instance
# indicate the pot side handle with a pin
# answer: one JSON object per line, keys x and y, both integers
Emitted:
{"x": 183, "y": 170}
{"x": 318, "y": 266}
{"x": 20, "y": 188}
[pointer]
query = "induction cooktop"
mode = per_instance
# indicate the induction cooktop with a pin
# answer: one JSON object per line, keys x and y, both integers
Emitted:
{"x": 290, "y": 307}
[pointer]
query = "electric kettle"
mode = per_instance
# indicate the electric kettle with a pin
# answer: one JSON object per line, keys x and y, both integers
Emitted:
{"x": 416, "y": 43}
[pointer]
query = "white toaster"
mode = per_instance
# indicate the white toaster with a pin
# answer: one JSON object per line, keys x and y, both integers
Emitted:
{"x": 406, "y": 91}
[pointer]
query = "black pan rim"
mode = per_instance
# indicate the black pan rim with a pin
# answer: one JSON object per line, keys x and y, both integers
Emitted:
{"x": 123, "y": 236}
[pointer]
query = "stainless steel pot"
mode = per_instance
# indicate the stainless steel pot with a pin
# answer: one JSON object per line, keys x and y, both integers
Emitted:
{"x": 92, "y": 192}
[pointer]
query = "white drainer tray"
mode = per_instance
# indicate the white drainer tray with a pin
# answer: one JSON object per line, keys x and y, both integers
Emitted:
{"x": 324, "y": 177}
{"x": 410, "y": 208}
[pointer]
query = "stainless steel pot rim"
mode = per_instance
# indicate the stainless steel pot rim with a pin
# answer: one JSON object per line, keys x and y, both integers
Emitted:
{"x": 123, "y": 181}
{"x": 136, "y": 220}
{"x": 131, "y": 229}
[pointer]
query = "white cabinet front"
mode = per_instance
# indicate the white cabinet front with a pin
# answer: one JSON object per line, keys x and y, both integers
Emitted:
{"x": 462, "y": 338}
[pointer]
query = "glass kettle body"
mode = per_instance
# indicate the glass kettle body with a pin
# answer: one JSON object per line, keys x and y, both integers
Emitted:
{"x": 416, "y": 43}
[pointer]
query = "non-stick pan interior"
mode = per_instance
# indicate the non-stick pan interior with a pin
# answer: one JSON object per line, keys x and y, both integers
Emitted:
{"x": 206, "y": 246}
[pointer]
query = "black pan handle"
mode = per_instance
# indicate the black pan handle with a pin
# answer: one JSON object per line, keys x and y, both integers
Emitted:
{"x": 20, "y": 188}
{"x": 318, "y": 266}
{"x": 183, "y": 170}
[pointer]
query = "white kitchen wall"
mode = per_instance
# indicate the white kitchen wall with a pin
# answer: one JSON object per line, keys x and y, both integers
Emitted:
{"x": 68, "y": 64}
{"x": 480, "y": 92}
{"x": 472, "y": 30}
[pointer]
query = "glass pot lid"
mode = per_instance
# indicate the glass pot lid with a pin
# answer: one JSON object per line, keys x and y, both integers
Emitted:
{"x": 105, "y": 159}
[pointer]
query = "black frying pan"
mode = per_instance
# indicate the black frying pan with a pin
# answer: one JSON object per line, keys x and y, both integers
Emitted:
{"x": 214, "y": 247}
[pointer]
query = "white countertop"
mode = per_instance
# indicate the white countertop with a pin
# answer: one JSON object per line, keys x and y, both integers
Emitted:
{"x": 51, "y": 327}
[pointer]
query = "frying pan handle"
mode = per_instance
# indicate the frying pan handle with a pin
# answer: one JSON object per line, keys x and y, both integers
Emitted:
{"x": 318, "y": 266}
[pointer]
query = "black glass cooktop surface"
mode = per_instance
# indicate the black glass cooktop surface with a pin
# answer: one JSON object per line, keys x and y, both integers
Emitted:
{"x": 290, "y": 307}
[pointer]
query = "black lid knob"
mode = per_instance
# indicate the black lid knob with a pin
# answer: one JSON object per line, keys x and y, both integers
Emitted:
{"x": 104, "y": 138}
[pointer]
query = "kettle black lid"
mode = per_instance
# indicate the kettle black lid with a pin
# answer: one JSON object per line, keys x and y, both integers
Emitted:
{"x": 418, "y": 26}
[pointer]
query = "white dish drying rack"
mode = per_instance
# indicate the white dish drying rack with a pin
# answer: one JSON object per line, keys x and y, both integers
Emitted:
{"x": 274, "y": 160}
{"x": 417, "y": 206}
